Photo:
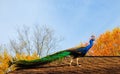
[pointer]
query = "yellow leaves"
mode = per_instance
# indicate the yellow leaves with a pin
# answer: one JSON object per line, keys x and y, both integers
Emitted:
{"x": 5, "y": 58}
{"x": 108, "y": 44}
{"x": 4, "y": 62}
{"x": 35, "y": 56}
{"x": 1, "y": 72}
{"x": 27, "y": 57}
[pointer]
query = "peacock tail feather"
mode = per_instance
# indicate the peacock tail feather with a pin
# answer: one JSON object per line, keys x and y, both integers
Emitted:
{"x": 42, "y": 61}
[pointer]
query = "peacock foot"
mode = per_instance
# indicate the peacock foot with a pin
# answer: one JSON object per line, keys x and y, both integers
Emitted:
{"x": 70, "y": 64}
{"x": 78, "y": 65}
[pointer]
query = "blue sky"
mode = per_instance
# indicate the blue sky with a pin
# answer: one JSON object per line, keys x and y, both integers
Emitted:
{"x": 75, "y": 20}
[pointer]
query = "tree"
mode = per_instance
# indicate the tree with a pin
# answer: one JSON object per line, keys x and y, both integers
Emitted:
{"x": 41, "y": 39}
{"x": 45, "y": 39}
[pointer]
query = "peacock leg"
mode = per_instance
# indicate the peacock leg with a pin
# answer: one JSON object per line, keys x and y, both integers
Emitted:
{"x": 71, "y": 60}
{"x": 78, "y": 62}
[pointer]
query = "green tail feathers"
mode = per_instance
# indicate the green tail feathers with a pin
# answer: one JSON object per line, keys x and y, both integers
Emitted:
{"x": 42, "y": 61}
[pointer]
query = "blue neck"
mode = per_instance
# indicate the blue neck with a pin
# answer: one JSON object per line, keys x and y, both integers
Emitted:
{"x": 90, "y": 45}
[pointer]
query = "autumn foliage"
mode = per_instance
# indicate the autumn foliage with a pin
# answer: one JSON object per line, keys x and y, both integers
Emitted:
{"x": 4, "y": 62}
{"x": 107, "y": 44}
{"x": 6, "y": 58}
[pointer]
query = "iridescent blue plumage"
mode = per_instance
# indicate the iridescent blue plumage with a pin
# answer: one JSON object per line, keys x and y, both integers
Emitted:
{"x": 80, "y": 52}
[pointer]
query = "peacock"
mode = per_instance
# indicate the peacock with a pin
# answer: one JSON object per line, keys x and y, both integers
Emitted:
{"x": 74, "y": 52}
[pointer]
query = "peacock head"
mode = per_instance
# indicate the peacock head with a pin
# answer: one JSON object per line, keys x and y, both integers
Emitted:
{"x": 93, "y": 37}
